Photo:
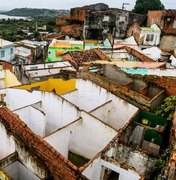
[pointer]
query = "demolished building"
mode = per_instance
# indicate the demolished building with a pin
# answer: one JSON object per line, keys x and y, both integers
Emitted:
{"x": 98, "y": 24}
{"x": 41, "y": 140}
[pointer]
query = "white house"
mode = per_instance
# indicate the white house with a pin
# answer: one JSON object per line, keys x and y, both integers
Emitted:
{"x": 150, "y": 35}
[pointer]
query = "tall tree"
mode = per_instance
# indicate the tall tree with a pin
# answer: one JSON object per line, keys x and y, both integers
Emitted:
{"x": 142, "y": 6}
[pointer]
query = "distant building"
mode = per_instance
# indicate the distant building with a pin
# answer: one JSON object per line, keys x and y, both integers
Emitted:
{"x": 149, "y": 36}
{"x": 58, "y": 47}
{"x": 98, "y": 24}
{"x": 6, "y": 50}
{"x": 30, "y": 51}
{"x": 166, "y": 20}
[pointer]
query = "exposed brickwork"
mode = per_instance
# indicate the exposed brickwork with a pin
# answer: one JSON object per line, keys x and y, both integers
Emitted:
{"x": 168, "y": 83}
{"x": 164, "y": 19}
{"x": 130, "y": 96}
{"x": 62, "y": 21}
{"x": 78, "y": 14}
{"x": 134, "y": 30}
{"x": 74, "y": 30}
{"x": 58, "y": 166}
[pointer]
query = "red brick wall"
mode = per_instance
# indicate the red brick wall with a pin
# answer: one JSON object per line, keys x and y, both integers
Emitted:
{"x": 78, "y": 14}
{"x": 160, "y": 18}
{"x": 166, "y": 82}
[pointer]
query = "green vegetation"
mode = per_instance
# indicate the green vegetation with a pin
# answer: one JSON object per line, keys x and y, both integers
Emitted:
{"x": 142, "y": 6}
{"x": 13, "y": 29}
{"x": 160, "y": 164}
{"x": 167, "y": 109}
{"x": 34, "y": 13}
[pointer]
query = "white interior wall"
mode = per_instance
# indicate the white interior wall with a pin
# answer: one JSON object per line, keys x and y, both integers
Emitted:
{"x": 7, "y": 143}
{"x": 34, "y": 118}
{"x": 59, "y": 112}
{"x": 103, "y": 112}
{"x": 85, "y": 137}
{"x": 88, "y": 95}
{"x": 19, "y": 172}
{"x": 60, "y": 139}
{"x": 90, "y": 137}
{"x": 18, "y": 98}
{"x": 94, "y": 170}
{"x": 116, "y": 113}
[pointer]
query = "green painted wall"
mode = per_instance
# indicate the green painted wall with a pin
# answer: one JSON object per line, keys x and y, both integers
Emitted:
{"x": 152, "y": 118}
{"x": 52, "y": 52}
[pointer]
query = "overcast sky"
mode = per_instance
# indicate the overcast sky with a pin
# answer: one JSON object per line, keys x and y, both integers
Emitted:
{"x": 67, "y": 4}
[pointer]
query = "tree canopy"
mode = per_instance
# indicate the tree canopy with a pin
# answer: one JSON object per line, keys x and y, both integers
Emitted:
{"x": 142, "y": 6}
{"x": 167, "y": 109}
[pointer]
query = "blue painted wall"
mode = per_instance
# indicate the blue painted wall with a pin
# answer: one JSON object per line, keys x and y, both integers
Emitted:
{"x": 8, "y": 54}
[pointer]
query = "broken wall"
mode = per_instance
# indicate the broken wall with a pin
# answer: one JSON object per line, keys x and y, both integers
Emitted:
{"x": 96, "y": 170}
{"x": 168, "y": 43}
{"x": 7, "y": 143}
{"x": 88, "y": 95}
{"x": 137, "y": 160}
{"x": 117, "y": 113}
{"x": 85, "y": 137}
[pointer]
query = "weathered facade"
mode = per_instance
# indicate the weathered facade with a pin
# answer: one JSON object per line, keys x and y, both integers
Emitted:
{"x": 145, "y": 35}
{"x": 168, "y": 43}
{"x": 165, "y": 19}
{"x": 98, "y": 24}
{"x": 79, "y": 13}
{"x": 55, "y": 133}
{"x": 30, "y": 51}
{"x": 134, "y": 90}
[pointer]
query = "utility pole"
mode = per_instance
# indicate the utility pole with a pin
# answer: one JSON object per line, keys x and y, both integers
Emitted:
{"x": 124, "y": 4}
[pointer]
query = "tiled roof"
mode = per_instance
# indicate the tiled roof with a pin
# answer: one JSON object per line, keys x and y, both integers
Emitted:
{"x": 78, "y": 58}
{"x": 58, "y": 166}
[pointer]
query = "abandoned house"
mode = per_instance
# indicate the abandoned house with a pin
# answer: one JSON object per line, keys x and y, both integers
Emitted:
{"x": 166, "y": 20}
{"x": 40, "y": 140}
{"x": 30, "y": 51}
{"x": 100, "y": 24}
{"x": 149, "y": 36}
{"x": 28, "y": 73}
{"x": 137, "y": 91}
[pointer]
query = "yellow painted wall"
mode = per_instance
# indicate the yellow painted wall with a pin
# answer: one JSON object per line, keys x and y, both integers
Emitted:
{"x": 59, "y": 85}
{"x": 3, "y": 176}
{"x": 10, "y": 80}
{"x": 1, "y": 67}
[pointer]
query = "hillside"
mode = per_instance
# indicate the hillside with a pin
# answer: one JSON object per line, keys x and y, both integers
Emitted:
{"x": 30, "y": 12}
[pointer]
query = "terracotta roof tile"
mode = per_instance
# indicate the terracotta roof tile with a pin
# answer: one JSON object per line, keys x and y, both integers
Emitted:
{"x": 58, "y": 165}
